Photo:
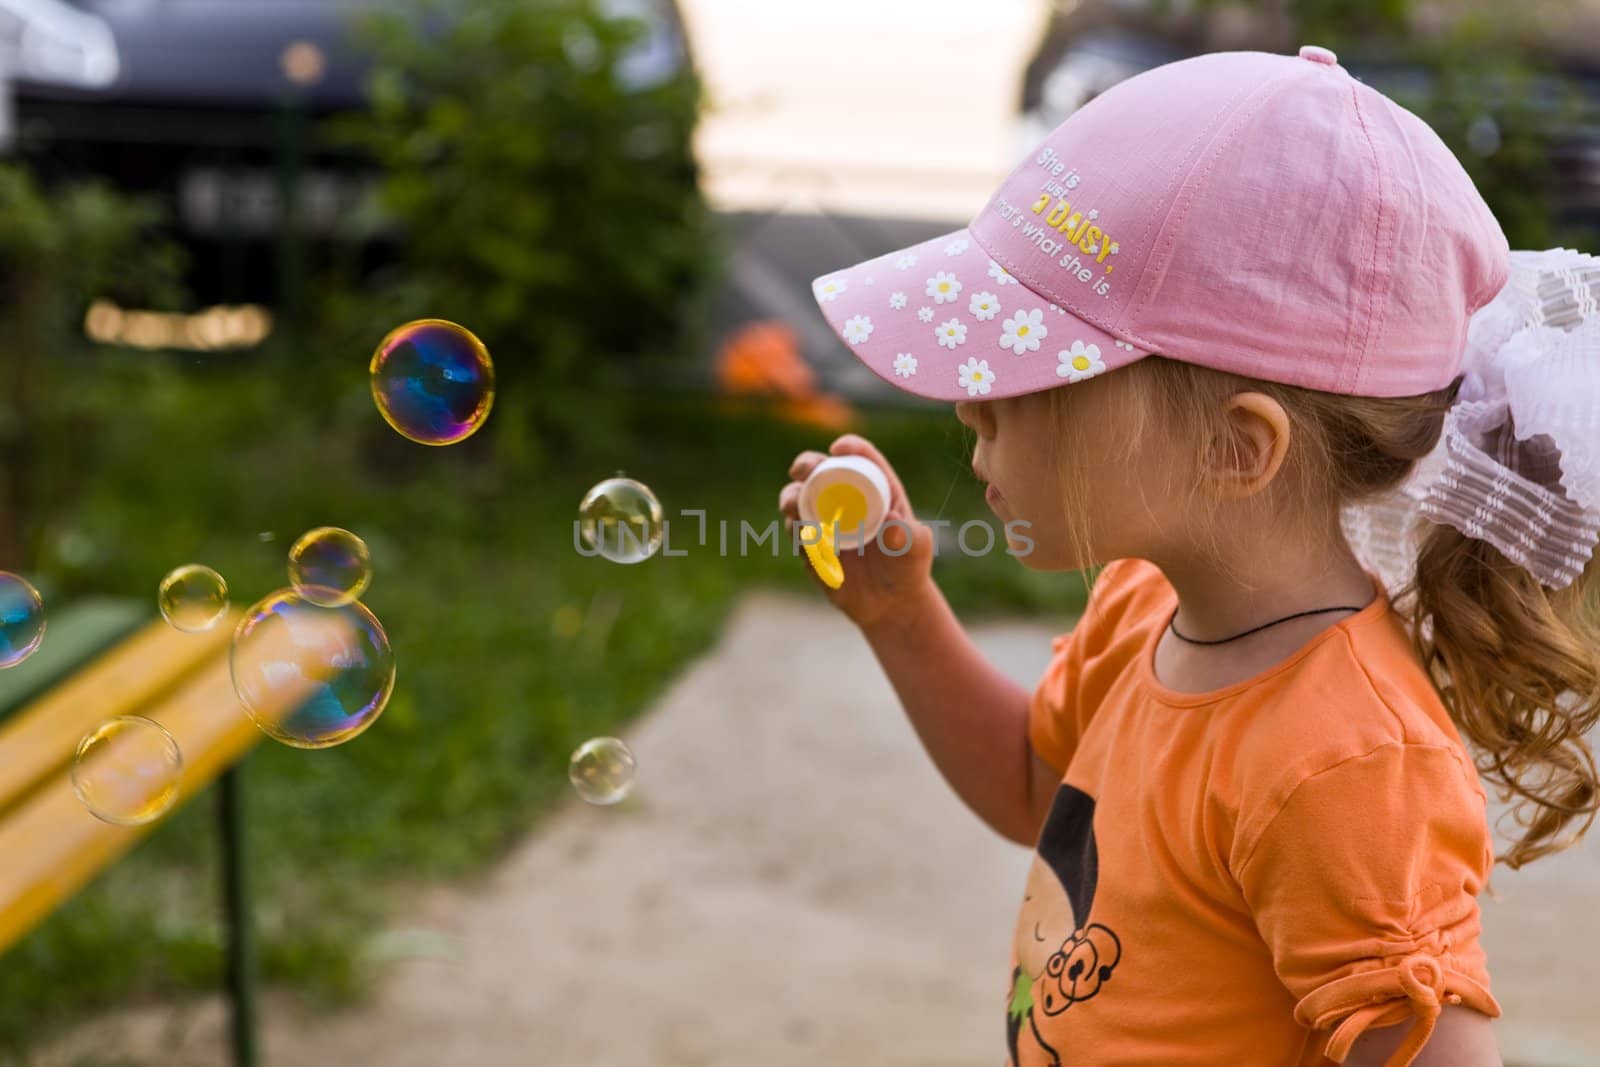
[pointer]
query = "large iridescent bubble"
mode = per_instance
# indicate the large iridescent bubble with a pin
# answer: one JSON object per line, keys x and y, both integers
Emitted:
{"x": 311, "y": 676}
{"x": 21, "y": 619}
{"x": 433, "y": 381}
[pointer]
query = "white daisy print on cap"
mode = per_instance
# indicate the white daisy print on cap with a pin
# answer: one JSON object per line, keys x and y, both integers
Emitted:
{"x": 975, "y": 376}
{"x": 1000, "y": 274}
{"x": 925, "y": 314}
{"x": 897, "y": 300}
{"x": 984, "y": 306}
{"x": 905, "y": 364}
{"x": 943, "y": 287}
{"x": 830, "y": 288}
{"x": 1079, "y": 362}
{"x": 958, "y": 246}
{"x": 1024, "y": 331}
{"x": 905, "y": 262}
{"x": 857, "y": 329}
{"x": 951, "y": 333}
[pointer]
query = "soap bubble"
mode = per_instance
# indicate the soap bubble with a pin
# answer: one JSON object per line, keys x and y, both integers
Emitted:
{"x": 433, "y": 381}
{"x": 621, "y": 519}
{"x": 193, "y": 598}
{"x": 21, "y": 619}
{"x": 330, "y": 567}
{"x": 127, "y": 770}
{"x": 311, "y": 676}
{"x": 602, "y": 770}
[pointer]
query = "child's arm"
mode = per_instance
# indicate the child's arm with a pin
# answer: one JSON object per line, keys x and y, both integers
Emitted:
{"x": 1461, "y": 1038}
{"x": 972, "y": 719}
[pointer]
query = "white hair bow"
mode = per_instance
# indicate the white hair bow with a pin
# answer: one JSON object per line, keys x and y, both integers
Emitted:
{"x": 1518, "y": 464}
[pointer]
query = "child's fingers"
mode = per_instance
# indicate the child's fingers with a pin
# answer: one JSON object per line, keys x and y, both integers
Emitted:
{"x": 855, "y": 445}
{"x": 789, "y": 501}
{"x": 804, "y": 463}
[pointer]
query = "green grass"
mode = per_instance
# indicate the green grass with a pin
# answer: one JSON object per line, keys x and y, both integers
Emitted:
{"x": 511, "y": 648}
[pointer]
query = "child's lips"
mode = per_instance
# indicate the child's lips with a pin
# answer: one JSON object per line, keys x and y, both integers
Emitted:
{"x": 993, "y": 496}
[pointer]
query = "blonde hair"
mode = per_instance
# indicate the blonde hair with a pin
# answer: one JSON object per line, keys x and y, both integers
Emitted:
{"x": 1516, "y": 665}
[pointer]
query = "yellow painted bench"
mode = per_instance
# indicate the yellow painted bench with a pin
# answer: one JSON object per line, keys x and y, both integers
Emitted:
{"x": 50, "y": 846}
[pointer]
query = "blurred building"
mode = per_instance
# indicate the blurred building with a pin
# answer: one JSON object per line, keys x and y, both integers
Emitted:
{"x": 213, "y": 108}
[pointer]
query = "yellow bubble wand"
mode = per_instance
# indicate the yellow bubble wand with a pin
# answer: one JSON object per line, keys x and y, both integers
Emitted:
{"x": 823, "y": 555}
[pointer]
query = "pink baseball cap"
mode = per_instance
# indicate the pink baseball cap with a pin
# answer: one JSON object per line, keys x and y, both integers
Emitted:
{"x": 1263, "y": 214}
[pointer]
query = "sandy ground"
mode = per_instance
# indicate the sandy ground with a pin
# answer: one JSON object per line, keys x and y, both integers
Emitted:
{"x": 791, "y": 884}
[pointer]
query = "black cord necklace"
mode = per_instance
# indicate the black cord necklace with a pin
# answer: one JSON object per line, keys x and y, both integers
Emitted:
{"x": 1172, "y": 625}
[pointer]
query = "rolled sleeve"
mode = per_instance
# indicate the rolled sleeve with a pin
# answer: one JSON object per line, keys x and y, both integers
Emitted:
{"x": 1364, "y": 884}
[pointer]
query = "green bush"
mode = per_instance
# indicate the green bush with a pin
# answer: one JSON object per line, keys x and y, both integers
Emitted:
{"x": 545, "y": 202}
{"x": 59, "y": 249}
{"x": 1503, "y": 110}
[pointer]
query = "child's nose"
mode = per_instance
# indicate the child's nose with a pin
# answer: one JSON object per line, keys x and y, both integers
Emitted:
{"x": 976, "y": 415}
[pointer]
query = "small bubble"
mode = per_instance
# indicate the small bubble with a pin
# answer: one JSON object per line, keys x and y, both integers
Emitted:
{"x": 622, "y": 520}
{"x": 330, "y": 566}
{"x": 127, "y": 770}
{"x": 193, "y": 598}
{"x": 602, "y": 770}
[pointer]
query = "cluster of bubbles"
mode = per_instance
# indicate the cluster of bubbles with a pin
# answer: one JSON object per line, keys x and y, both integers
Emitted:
{"x": 310, "y": 664}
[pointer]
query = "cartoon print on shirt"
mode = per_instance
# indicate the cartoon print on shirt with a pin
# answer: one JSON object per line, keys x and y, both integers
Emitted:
{"x": 1060, "y": 960}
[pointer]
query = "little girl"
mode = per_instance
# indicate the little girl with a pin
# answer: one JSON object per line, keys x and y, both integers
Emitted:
{"x": 1220, "y": 318}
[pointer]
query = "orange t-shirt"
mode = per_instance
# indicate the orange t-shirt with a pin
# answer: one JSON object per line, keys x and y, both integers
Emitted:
{"x": 1226, "y": 877}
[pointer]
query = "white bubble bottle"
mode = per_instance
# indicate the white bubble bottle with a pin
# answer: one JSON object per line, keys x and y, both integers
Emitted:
{"x": 850, "y": 491}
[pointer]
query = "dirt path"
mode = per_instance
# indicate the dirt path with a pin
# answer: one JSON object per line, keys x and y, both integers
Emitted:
{"x": 793, "y": 884}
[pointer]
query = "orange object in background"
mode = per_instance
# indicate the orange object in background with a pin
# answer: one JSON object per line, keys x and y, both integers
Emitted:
{"x": 762, "y": 359}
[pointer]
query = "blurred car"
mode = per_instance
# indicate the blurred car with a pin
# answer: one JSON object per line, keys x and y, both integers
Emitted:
{"x": 201, "y": 101}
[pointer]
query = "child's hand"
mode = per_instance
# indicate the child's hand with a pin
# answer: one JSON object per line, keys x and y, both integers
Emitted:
{"x": 876, "y": 582}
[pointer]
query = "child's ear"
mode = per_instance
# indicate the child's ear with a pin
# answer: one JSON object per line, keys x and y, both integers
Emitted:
{"x": 1258, "y": 443}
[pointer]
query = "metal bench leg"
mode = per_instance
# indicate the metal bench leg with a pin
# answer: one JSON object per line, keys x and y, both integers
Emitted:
{"x": 240, "y": 967}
